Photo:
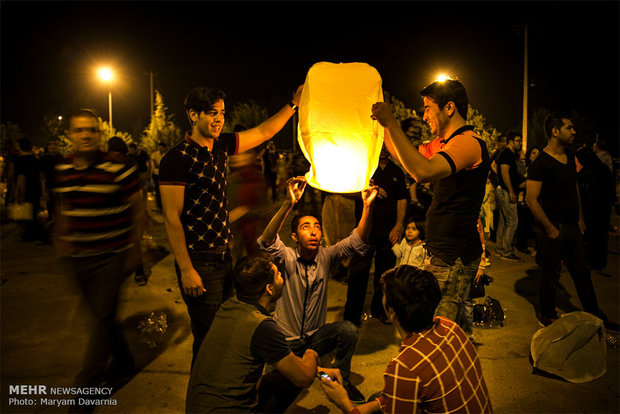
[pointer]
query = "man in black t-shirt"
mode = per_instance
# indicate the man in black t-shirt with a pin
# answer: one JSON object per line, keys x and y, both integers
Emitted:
{"x": 506, "y": 195}
{"x": 553, "y": 199}
{"x": 192, "y": 182}
{"x": 242, "y": 338}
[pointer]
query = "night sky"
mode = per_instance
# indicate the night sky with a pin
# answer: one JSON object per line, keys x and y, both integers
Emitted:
{"x": 263, "y": 50}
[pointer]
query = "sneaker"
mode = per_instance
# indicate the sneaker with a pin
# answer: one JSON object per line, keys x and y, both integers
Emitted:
{"x": 612, "y": 327}
{"x": 354, "y": 394}
{"x": 544, "y": 322}
{"x": 511, "y": 258}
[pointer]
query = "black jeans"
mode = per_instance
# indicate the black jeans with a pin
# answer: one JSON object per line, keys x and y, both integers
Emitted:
{"x": 100, "y": 278}
{"x": 568, "y": 247}
{"x": 216, "y": 275}
{"x": 359, "y": 271}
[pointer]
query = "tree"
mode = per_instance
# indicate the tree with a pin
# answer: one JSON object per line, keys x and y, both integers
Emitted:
{"x": 484, "y": 130}
{"x": 246, "y": 115}
{"x": 9, "y": 134}
{"x": 162, "y": 128}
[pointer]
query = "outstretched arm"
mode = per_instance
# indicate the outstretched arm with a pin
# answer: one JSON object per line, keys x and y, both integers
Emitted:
{"x": 416, "y": 164}
{"x": 295, "y": 190}
{"x": 368, "y": 197}
{"x": 253, "y": 137}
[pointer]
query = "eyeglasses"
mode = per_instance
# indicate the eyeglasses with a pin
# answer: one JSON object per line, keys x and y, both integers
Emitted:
{"x": 93, "y": 130}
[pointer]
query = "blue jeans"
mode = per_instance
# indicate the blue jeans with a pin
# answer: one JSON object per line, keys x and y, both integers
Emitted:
{"x": 216, "y": 278}
{"x": 340, "y": 336}
{"x": 508, "y": 222}
{"x": 454, "y": 281}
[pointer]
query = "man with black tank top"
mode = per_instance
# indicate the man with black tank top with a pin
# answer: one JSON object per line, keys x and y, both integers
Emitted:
{"x": 457, "y": 162}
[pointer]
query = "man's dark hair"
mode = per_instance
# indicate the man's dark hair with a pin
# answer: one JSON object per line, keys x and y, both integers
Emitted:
{"x": 414, "y": 295}
{"x": 202, "y": 99}
{"x": 82, "y": 113}
{"x": 511, "y": 135}
{"x": 24, "y": 144}
{"x": 555, "y": 120}
{"x": 446, "y": 91}
{"x": 300, "y": 215}
{"x": 116, "y": 144}
{"x": 252, "y": 274}
{"x": 133, "y": 145}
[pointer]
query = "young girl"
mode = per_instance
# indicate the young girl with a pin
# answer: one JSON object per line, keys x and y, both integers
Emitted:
{"x": 410, "y": 250}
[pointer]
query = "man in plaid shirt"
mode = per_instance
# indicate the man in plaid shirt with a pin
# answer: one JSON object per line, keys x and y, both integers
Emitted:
{"x": 437, "y": 367}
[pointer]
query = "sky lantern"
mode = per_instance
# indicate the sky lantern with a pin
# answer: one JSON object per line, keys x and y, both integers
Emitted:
{"x": 336, "y": 134}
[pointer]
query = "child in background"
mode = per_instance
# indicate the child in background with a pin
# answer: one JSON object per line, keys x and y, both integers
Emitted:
{"x": 410, "y": 250}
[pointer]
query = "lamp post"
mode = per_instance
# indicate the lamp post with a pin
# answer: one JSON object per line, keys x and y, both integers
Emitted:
{"x": 106, "y": 75}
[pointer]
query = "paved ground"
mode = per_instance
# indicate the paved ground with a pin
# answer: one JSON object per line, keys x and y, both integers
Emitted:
{"x": 44, "y": 332}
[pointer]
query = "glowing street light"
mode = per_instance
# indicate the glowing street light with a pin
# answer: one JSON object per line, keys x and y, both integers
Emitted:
{"x": 442, "y": 77}
{"x": 106, "y": 75}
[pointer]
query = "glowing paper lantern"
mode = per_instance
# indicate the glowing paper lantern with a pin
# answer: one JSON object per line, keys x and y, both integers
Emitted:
{"x": 336, "y": 133}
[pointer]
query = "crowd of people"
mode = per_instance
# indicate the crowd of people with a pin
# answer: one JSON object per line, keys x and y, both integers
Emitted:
{"x": 258, "y": 317}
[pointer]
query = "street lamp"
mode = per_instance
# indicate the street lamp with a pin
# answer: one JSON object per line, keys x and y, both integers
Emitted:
{"x": 442, "y": 77}
{"x": 106, "y": 75}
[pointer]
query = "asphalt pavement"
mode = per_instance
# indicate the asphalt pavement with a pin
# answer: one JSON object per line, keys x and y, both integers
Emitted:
{"x": 44, "y": 329}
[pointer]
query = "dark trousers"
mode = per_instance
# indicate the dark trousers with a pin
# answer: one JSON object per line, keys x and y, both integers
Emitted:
{"x": 524, "y": 228}
{"x": 216, "y": 275}
{"x": 276, "y": 392}
{"x": 100, "y": 278}
{"x": 568, "y": 247}
{"x": 359, "y": 271}
{"x": 157, "y": 193}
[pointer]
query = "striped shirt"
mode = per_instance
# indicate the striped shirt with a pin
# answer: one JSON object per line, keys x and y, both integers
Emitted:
{"x": 95, "y": 204}
{"x": 436, "y": 371}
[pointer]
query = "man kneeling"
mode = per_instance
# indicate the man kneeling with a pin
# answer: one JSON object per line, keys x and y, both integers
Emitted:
{"x": 437, "y": 367}
{"x": 241, "y": 340}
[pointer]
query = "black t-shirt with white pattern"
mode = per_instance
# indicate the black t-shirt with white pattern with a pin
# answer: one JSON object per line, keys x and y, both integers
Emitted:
{"x": 203, "y": 173}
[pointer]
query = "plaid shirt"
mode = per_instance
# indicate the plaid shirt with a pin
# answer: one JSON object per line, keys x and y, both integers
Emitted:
{"x": 437, "y": 371}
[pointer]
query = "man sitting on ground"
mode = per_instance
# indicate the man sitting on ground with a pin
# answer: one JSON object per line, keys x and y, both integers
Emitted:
{"x": 302, "y": 310}
{"x": 241, "y": 340}
{"x": 437, "y": 367}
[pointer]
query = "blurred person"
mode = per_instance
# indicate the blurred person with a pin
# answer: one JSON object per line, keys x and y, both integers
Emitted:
{"x": 410, "y": 129}
{"x": 387, "y": 222}
{"x": 506, "y": 197}
{"x": 143, "y": 162}
{"x": 48, "y": 163}
{"x": 600, "y": 149}
{"x": 119, "y": 149}
{"x": 29, "y": 188}
{"x": 302, "y": 309}
{"x": 269, "y": 156}
{"x": 247, "y": 199}
{"x": 411, "y": 249}
{"x": 437, "y": 368}
{"x": 553, "y": 198}
{"x": 155, "y": 160}
{"x": 457, "y": 162}
{"x": 227, "y": 375}
{"x": 500, "y": 145}
{"x": 97, "y": 233}
{"x": 526, "y": 220}
{"x": 192, "y": 182}
{"x": 597, "y": 189}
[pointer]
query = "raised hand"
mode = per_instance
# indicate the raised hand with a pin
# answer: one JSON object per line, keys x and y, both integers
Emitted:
{"x": 295, "y": 188}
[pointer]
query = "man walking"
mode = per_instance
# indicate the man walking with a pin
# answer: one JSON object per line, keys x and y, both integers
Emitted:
{"x": 457, "y": 162}
{"x": 553, "y": 198}
{"x": 192, "y": 178}
{"x": 97, "y": 232}
{"x": 506, "y": 195}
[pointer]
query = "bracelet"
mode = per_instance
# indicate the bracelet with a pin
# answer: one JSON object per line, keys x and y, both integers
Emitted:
{"x": 292, "y": 105}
